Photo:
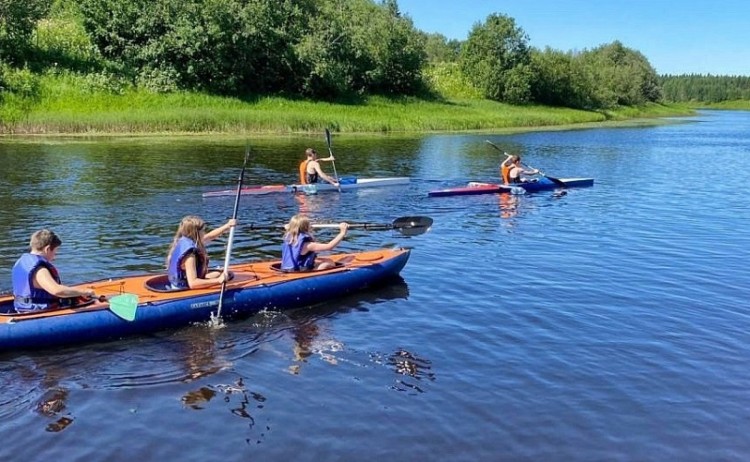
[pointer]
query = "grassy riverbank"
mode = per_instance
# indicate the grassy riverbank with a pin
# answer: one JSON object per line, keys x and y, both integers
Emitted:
{"x": 69, "y": 105}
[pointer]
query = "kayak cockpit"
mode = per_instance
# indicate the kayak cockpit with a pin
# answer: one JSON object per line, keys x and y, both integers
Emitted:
{"x": 7, "y": 307}
{"x": 161, "y": 284}
{"x": 337, "y": 265}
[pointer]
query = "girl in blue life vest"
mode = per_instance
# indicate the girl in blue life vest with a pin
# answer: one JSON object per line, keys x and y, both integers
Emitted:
{"x": 187, "y": 260}
{"x": 36, "y": 282}
{"x": 299, "y": 249}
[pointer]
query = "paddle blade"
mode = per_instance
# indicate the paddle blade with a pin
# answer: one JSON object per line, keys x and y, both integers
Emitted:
{"x": 412, "y": 226}
{"x": 124, "y": 306}
{"x": 494, "y": 145}
{"x": 556, "y": 181}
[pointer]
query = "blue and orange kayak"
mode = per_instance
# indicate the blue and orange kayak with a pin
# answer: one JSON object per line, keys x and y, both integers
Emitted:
{"x": 254, "y": 287}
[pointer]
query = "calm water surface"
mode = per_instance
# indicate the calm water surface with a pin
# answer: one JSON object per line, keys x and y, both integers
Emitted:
{"x": 608, "y": 324}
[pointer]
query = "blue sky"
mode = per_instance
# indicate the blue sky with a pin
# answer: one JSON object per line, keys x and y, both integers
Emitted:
{"x": 677, "y": 37}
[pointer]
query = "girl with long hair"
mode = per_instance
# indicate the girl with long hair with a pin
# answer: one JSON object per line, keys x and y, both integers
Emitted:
{"x": 299, "y": 249}
{"x": 187, "y": 260}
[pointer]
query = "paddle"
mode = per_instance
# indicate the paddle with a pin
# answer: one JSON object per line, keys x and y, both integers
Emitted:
{"x": 554, "y": 180}
{"x": 333, "y": 162}
{"x": 124, "y": 306}
{"x": 408, "y": 226}
{"x": 231, "y": 231}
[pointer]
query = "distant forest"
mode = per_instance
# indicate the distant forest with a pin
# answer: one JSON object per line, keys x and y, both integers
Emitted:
{"x": 704, "y": 88}
{"x": 328, "y": 50}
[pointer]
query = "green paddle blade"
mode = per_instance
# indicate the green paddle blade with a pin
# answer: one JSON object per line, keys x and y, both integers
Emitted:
{"x": 124, "y": 306}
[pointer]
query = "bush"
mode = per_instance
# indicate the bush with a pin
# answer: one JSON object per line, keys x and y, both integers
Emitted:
{"x": 447, "y": 80}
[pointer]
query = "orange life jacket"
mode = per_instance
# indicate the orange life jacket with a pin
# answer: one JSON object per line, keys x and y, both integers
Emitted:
{"x": 303, "y": 172}
{"x": 505, "y": 173}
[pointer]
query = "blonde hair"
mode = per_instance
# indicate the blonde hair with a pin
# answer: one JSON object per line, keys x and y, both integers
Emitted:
{"x": 297, "y": 224}
{"x": 43, "y": 238}
{"x": 190, "y": 227}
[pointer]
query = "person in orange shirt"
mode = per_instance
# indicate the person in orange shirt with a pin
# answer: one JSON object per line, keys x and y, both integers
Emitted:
{"x": 517, "y": 171}
{"x": 506, "y": 166}
{"x": 310, "y": 171}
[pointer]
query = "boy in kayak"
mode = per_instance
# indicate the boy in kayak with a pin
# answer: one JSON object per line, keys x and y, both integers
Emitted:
{"x": 36, "y": 281}
{"x": 310, "y": 171}
{"x": 187, "y": 260}
{"x": 299, "y": 249}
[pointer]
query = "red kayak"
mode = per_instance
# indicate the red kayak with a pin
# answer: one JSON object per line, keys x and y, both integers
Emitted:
{"x": 544, "y": 183}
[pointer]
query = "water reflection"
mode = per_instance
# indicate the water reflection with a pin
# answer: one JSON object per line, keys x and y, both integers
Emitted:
{"x": 313, "y": 337}
{"x": 508, "y": 205}
{"x": 242, "y": 402}
{"x": 201, "y": 352}
{"x": 46, "y": 396}
{"x": 52, "y": 404}
{"x": 412, "y": 366}
{"x": 310, "y": 204}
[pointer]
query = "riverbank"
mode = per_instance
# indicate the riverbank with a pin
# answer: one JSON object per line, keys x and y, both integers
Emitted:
{"x": 69, "y": 108}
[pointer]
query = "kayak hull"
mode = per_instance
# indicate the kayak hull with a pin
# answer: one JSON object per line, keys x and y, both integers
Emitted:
{"x": 474, "y": 188}
{"x": 254, "y": 287}
{"x": 346, "y": 183}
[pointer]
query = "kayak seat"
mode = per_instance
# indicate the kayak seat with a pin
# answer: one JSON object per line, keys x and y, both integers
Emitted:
{"x": 7, "y": 307}
{"x": 161, "y": 284}
{"x": 277, "y": 267}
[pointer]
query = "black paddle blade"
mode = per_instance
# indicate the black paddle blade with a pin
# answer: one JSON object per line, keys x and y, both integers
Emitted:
{"x": 412, "y": 226}
{"x": 556, "y": 181}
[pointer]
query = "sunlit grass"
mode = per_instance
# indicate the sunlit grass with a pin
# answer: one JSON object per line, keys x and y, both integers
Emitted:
{"x": 69, "y": 104}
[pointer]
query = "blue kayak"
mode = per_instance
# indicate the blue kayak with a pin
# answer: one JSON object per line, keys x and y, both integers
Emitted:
{"x": 541, "y": 184}
{"x": 149, "y": 306}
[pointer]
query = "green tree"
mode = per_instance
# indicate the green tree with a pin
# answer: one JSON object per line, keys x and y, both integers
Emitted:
{"x": 355, "y": 47}
{"x": 331, "y": 60}
{"x": 17, "y": 21}
{"x": 225, "y": 46}
{"x": 441, "y": 50}
{"x": 496, "y": 58}
{"x": 397, "y": 52}
{"x": 623, "y": 75}
{"x": 561, "y": 80}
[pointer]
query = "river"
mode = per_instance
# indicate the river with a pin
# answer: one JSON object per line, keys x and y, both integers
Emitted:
{"x": 611, "y": 323}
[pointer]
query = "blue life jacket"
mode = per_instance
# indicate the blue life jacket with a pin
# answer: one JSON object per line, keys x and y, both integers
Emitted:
{"x": 291, "y": 260}
{"x": 28, "y": 297}
{"x": 177, "y": 274}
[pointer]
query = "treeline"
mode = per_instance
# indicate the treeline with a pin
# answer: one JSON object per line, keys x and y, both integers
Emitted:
{"x": 318, "y": 49}
{"x": 705, "y": 88}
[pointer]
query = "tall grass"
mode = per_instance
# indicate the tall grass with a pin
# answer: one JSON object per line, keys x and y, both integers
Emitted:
{"x": 96, "y": 104}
